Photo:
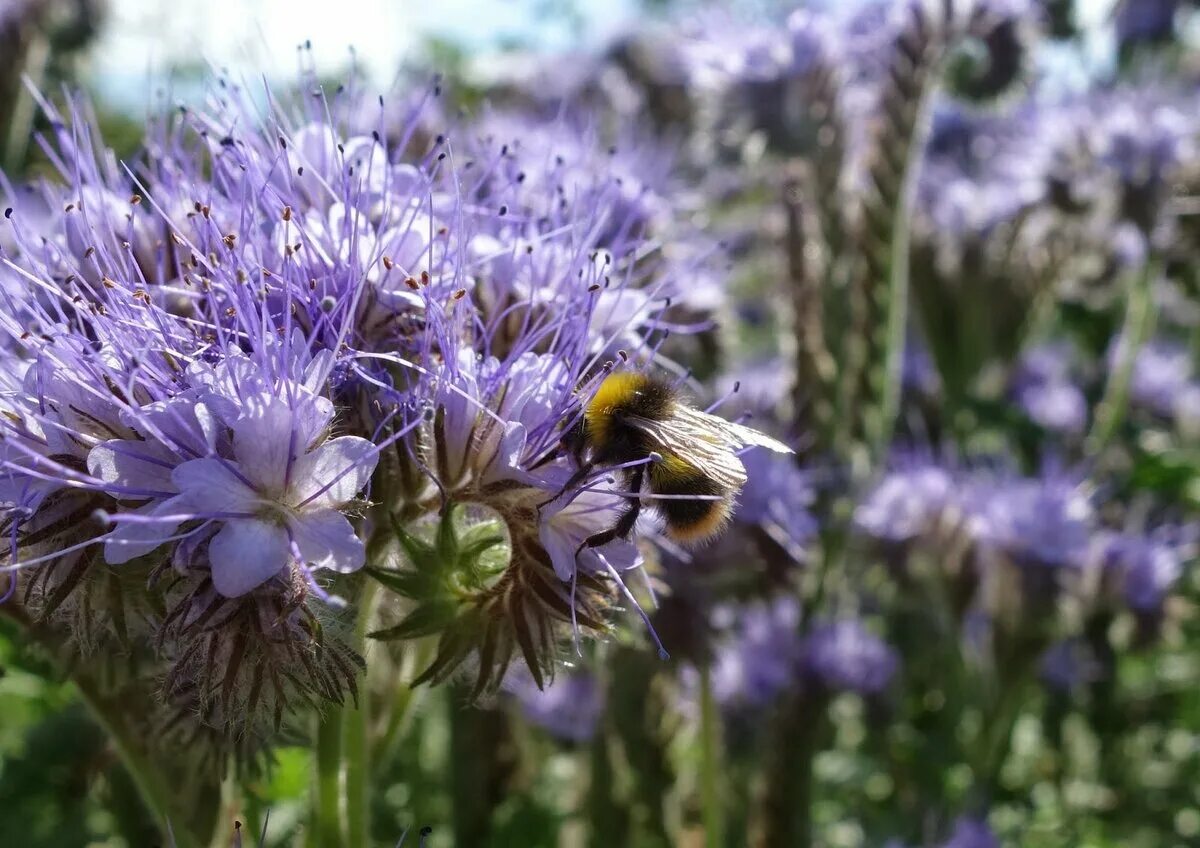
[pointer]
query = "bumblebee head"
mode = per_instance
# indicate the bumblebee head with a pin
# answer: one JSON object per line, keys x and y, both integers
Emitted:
{"x": 624, "y": 392}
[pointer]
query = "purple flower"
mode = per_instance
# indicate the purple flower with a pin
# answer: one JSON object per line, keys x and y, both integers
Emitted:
{"x": 569, "y": 708}
{"x": 214, "y": 350}
{"x": 1069, "y": 665}
{"x": 760, "y": 658}
{"x": 1056, "y": 406}
{"x": 265, "y": 479}
{"x": 1042, "y": 386}
{"x": 1145, "y": 21}
{"x": 843, "y": 656}
{"x": 777, "y": 496}
{"x": 1162, "y": 371}
{"x": 1143, "y": 567}
{"x": 980, "y": 170}
{"x": 287, "y": 490}
{"x": 907, "y": 503}
{"x": 971, "y": 833}
{"x": 1045, "y": 522}
{"x": 566, "y": 523}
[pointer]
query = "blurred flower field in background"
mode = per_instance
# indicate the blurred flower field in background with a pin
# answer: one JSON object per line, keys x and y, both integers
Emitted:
{"x": 318, "y": 533}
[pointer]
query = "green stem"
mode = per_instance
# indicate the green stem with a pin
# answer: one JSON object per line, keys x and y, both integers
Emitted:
{"x": 25, "y": 109}
{"x": 897, "y": 319}
{"x": 1139, "y": 321}
{"x": 476, "y": 740}
{"x": 996, "y": 742}
{"x": 113, "y": 715}
{"x": 404, "y": 699}
{"x": 328, "y": 806}
{"x": 357, "y": 724}
{"x": 710, "y": 762}
{"x": 637, "y": 705}
{"x": 153, "y": 786}
{"x": 608, "y": 819}
{"x": 787, "y": 803}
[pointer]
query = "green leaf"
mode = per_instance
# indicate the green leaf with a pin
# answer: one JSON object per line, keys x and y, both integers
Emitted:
{"x": 429, "y": 618}
{"x": 1173, "y": 474}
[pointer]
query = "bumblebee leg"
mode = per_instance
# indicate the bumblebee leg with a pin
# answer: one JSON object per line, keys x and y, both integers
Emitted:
{"x": 628, "y": 518}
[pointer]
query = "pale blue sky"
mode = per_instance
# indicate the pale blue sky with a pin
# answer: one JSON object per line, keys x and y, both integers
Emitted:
{"x": 143, "y": 39}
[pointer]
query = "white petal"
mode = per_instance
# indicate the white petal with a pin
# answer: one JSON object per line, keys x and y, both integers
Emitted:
{"x": 245, "y": 554}
{"x": 327, "y": 540}
{"x": 332, "y": 474}
{"x": 210, "y": 485}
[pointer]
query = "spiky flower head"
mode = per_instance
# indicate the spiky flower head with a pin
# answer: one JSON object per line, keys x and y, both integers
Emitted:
{"x": 908, "y": 503}
{"x": 283, "y": 342}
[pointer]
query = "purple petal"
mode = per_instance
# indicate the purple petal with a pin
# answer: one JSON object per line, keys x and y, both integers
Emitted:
{"x": 333, "y": 473}
{"x": 131, "y": 540}
{"x": 181, "y": 422}
{"x": 210, "y": 485}
{"x": 505, "y": 454}
{"x": 264, "y": 442}
{"x": 327, "y": 540}
{"x": 245, "y": 554}
{"x": 408, "y": 246}
{"x": 133, "y": 464}
{"x": 564, "y": 529}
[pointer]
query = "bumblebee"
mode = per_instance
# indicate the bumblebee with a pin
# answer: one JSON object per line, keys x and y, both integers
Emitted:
{"x": 687, "y": 457}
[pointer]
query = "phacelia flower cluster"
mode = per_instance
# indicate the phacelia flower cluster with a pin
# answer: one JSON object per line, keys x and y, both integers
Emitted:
{"x": 765, "y": 654}
{"x": 1011, "y": 548}
{"x": 278, "y": 345}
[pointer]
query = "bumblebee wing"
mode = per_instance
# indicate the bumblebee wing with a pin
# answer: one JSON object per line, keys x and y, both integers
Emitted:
{"x": 704, "y": 448}
{"x": 736, "y": 435}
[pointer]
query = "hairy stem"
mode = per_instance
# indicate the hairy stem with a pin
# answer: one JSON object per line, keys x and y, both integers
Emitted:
{"x": 608, "y": 818}
{"x": 355, "y": 735}
{"x": 403, "y": 699}
{"x": 480, "y": 765}
{"x": 151, "y": 783}
{"x": 710, "y": 762}
{"x": 795, "y": 739}
{"x": 1139, "y": 322}
{"x": 328, "y": 806}
{"x": 113, "y": 715}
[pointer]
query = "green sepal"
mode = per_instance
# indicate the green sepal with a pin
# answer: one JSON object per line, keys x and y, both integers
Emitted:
{"x": 427, "y": 619}
{"x": 410, "y": 584}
